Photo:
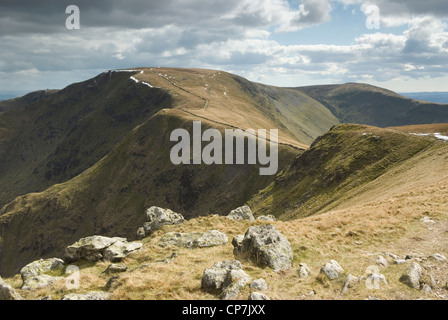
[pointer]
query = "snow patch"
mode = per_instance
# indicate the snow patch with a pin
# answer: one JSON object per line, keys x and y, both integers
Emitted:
{"x": 142, "y": 82}
{"x": 436, "y": 135}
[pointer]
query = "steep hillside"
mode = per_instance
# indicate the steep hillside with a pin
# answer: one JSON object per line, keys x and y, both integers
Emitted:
{"x": 352, "y": 164}
{"x": 110, "y": 197}
{"x": 366, "y": 104}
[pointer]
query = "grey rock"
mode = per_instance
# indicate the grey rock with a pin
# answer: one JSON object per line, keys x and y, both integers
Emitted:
{"x": 194, "y": 240}
{"x": 89, "y": 248}
{"x": 303, "y": 271}
{"x": 412, "y": 276}
{"x": 34, "y": 274}
{"x": 120, "y": 249}
{"x": 409, "y": 257}
{"x": 237, "y": 243}
{"x": 332, "y": 270}
{"x": 391, "y": 255}
{"x": 235, "y": 281}
{"x": 94, "y": 295}
{"x": 400, "y": 261}
{"x": 141, "y": 233}
{"x": 241, "y": 213}
{"x": 268, "y": 218}
{"x": 266, "y": 246}
{"x": 116, "y": 268}
{"x": 96, "y": 248}
{"x": 7, "y": 292}
{"x": 157, "y": 217}
{"x": 382, "y": 261}
{"x": 349, "y": 283}
{"x": 259, "y": 285}
{"x": 438, "y": 257}
{"x": 213, "y": 278}
{"x": 426, "y": 288}
{"x": 258, "y": 296}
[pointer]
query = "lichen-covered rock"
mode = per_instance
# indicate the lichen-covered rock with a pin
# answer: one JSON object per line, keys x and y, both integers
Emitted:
{"x": 213, "y": 278}
{"x": 332, "y": 270}
{"x": 241, "y": 213}
{"x": 94, "y": 295}
{"x": 258, "y": 296}
{"x": 303, "y": 271}
{"x": 120, "y": 249}
{"x": 194, "y": 240}
{"x": 237, "y": 243}
{"x": 116, "y": 268}
{"x": 157, "y": 217}
{"x": 89, "y": 248}
{"x": 96, "y": 248}
{"x": 235, "y": 281}
{"x": 268, "y": 218}
{"x": 259, "y": 285}
{"x": 33, "y": 274}
{"x": 412, "y": 276}
{"x": 266, "y": 246}
{"x": 7, "y": 292}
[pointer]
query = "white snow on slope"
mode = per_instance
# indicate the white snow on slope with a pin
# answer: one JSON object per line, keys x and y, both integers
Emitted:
{"x": 436, "y": 135}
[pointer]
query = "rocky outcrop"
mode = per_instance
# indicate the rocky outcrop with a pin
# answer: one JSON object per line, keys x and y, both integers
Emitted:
{"x": 193, "y": 240}
{"x": 266, "y": 246}
{"x": 225, "y": 278}
{"x": 241, "y": 213}
{"x": 157, "y": 217}
{"x": 332, "y": 270}
{"x": 7, "y": 292}
{"x": 412, "y": 276}
{"x": 34, "y": 274}
{"x": 94, "y": 295}
{"x": 96, "y": 248}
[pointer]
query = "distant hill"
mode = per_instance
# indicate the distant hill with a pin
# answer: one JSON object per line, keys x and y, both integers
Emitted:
{"x": 436, "y": 97}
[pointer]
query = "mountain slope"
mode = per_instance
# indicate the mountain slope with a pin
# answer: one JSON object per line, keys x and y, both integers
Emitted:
{"x": 366, "y": 104}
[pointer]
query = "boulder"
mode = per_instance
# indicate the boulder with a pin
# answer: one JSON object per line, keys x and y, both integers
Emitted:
{"x": 96, "y": 248}
{"x": 237, "y": 243}
{"x": 7, "y": 292}
{"x": 120, "y": 249}
{"x": 412, "y": 276}
{"x": 241, "y": 213}
{"x": 258, "y": 296}
{"x": 94, "y": 295}
{"x": 235, "y": 281}
{"x": 34, "y": 274}
{"x": 193, "y": 240}
{"x": 259, "y": 285}
{"x": 332, "y": 270}
{"x": 266, "y": 246}
{"x": 303, "y": 271}
{"x": 268, "y": 218}
{"x": 213, "y": 278}
{"x": 157, "y": 217}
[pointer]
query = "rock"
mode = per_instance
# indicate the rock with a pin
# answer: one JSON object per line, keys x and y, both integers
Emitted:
{"x": 426, "y": 288}
{"x": 95, "y": 248}
{"x": 157, "y": 217}
{"x": 116, "y": 268}
{"x": 89, "y": 248}
{"x": 7, "y": 292}
{"x": 266, "y": 246}
{"x": 46, "y": 298}
{"x": 303, "y": 271}
{"x": 94, "y": 295}
{"x": 33, "y": 274}
{"x": 194, "y": 240}
{"x": 438, "y": 257}
{"x": 409, "y": 257}
{"x": 213, "y": 278}
{"x": 168, "y": 259}
{"x": 141, "y": 233}
{"x": 120, "y": 249}
{"x": 112, "y": 283}
{"x": 412, "y": 276}
{"x": 427, "y": 220}
{"x": 391, "y": 255}
{"x": 233, "y": 283}
{"x": 382, "y": 261}
{"x": 399, "y": 261}
{"x": 332, "y": 270}
{"x": 268, "y": 218}
{"x": 237, "y": 243}
{"x": 259, "y": 285}
{"x": 258, "y": 296}
{"x": 349, "y": 283}
{"x": 241, "y": 213}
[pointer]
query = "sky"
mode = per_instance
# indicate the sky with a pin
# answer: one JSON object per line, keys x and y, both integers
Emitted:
{"x": 401, "y": 45}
